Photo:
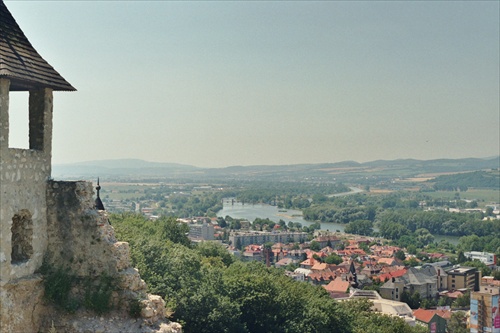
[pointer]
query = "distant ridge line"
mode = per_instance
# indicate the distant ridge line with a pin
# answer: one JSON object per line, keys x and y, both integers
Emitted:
{"x": 338, "y": 171}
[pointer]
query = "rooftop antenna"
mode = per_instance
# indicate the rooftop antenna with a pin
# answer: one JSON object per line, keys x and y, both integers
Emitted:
{"x": 98, "y": 202}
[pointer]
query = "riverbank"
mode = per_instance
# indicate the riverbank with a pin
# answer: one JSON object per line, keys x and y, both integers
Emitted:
{"x": 250, "y": 212}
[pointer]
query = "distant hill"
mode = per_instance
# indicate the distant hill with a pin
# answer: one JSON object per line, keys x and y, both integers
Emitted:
{"x": 131, "y": 168}
{"x": 464, "y": 181}
{"x": 127, "y": 164}
{"x": 347, "y": 171}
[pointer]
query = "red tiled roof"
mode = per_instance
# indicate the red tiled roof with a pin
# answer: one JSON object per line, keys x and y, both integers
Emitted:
{"x": 327, "y": 249}
{"x": 426, "y": 315}
{"x": 437, "y": 255}
{"x": 423, "y": 315}
{"x": 454, "y": 294}
{"x": 309, "y": 262}
{"x": 253, "y": 248}
{"x": 322, "y": 276}
{"x": 284, "y": 262}
{"x": 387, "y": 261}
{"x": 446, "y": 314}
{"x": 319, "y": 266}
{"x": 390, "y": 275}
{"x": 337, "y": 286}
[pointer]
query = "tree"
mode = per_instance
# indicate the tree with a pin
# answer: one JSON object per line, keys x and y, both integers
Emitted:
{"x": 238, "y": 244}
{"x": 206, "y": 307}
{"x": 462, "y": 301}
{"x": 319, "y": 198}
{"x": 458, "y": 322}
{"x": 461, "y": 257}
{"x": 412, "y": 262}
{"x": 444, "y": 301}
{"x": 427, "y": 303}
{"x": 215, "y": 250}
{"x": 489, "y": 211}
{"x": 315, "y": 246}
{"x": 470, "y": 243}
{"x": 360, "y": 227}
{"x": 317, "y": 258}
{"x": 393, "y": 230}
{"x": 363, "y": 246}
{"x": 424, "y": 236}
{"x": 175, "y": 231}
{"x": 400, "y": 255}
{"x": 222, "y": 223}
{"x": 412, "y": 249}
{"x": 269, "y": 301}
{"x": 413, "y": 300}
{"x": 333, "y": 259}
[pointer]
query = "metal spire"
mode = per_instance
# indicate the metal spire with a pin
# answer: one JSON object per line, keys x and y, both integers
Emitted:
{"x": 98, "y": 202}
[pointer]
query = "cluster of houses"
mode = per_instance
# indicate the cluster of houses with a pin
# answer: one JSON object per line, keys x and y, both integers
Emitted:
{"x": 363, "y": 265}
{"x": 362, "y": 262}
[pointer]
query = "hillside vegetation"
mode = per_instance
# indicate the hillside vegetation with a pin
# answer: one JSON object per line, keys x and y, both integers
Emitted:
{"x": 208, "y": 290}
{"x": 464, "y": 181}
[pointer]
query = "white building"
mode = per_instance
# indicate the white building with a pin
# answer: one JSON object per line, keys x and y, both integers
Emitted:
{"x": 382, "y": 305}
{"x": 486, "y": 258}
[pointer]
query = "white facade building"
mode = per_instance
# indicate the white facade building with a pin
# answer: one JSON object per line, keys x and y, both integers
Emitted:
{"x": 486, "y": 258}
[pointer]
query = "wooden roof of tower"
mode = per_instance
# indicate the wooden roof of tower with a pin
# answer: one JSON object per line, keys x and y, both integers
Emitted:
{"x": 21, "y": 63}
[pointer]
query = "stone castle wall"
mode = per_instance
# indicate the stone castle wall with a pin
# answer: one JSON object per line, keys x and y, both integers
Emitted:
{"x": 79, "y": 237}
{"x": 81, "y": 240}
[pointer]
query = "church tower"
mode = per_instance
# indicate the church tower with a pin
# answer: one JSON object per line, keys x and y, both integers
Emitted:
{"x": 23, "y": 172}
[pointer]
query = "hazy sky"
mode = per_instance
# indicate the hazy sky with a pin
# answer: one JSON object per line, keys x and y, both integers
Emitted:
{"x": 215, "y": 84}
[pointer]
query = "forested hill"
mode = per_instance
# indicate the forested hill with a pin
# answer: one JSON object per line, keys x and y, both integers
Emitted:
{"x": 464, "y": 181}
{"x": 344, "y": 171}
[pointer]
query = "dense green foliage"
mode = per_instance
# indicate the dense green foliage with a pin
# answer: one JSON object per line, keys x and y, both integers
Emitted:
{"x": 437, "y": 222}
{"x": 464, "y": 181}
{"x": 193, "y": 205}
{"x": 399, "y": 217}
{"x": 329, "y": 213}
{"x": 360, "y": 227}
{"x": 489, "y": 243}
{"x": 208, "y": 291}
{"x": 458, "y": 322}
{"x": 286, "y": 194}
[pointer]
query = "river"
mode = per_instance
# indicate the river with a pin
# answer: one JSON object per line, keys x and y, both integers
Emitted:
{"x": 250, "y": 212}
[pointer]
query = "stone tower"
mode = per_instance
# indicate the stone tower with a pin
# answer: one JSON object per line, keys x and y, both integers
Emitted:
{"x": 23, "y": 172}
{"x": 55, "y": 222}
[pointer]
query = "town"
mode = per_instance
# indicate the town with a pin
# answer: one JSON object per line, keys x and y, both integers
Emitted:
{"x": 442, "y": 286}
{"x": 255, "y": 215}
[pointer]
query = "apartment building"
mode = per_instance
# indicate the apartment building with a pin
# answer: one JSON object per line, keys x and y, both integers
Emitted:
{"x": 484, "y": 310}
{"x": 463, "y": 278}
{"x": 203, "y": 231}
{"x": 243, "y": 239}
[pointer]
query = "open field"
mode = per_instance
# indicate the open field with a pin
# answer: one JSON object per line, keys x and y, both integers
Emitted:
{"x": 122, "y": 191}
